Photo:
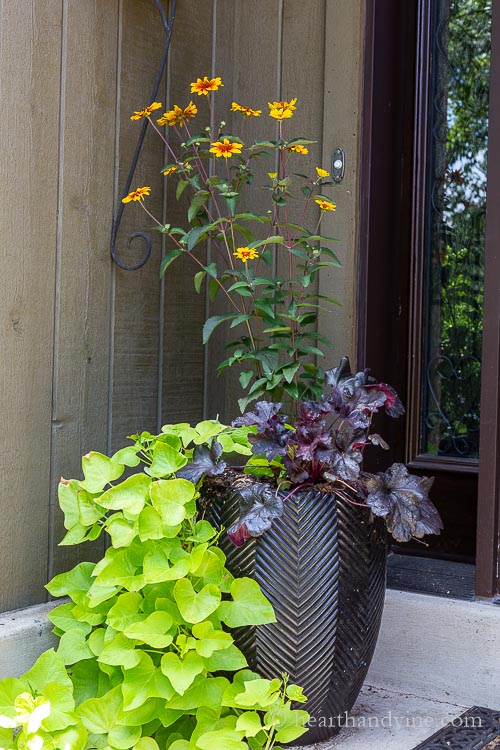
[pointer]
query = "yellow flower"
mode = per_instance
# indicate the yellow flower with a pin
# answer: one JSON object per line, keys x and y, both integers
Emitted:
{"x": 146, "y": 112}
{"x": 178, "y": 116}
{"x": 299, "y": 149}
{"x": 282, "y": 110}
{"x": 225, "y": 148}
{"x": 272, "y": 175}
{"x": 169, "y": 170}
{"x": 322, "y": 172}
{"x": 325, "y": 205}
{"x": 235, "y": 107}
{"x": 246, "y": 253}
{"x": 205, "y": 85}
{"x": 137, "y": 195}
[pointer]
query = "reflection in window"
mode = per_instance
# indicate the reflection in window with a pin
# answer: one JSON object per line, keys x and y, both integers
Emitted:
{"x": 456, "y": 209}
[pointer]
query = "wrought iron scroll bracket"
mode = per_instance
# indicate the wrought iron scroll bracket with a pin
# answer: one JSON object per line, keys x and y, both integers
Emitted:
{"x": 168, "y": 25}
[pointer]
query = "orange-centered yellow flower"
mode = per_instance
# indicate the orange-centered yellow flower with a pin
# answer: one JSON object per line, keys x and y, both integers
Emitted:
{"x": 225, "y": 148}
{"x": 169, "y": 170}
{"x": 298, "y": 149}
{"x": 325, "y": 205}
{"x": 322, "y": 172}
{"x": 137, "y": 195}
{"x": 248, "y": 111}
{"x": 246, "y": 253}
{"x": 282, "y": 110}
{"x": 146, "y": 112}
{"x": 178, "y": 116}
{"x": 205, "y": 85}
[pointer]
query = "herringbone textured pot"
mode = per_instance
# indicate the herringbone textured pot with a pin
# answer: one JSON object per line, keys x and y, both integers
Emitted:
{"x": 323, "y": 567}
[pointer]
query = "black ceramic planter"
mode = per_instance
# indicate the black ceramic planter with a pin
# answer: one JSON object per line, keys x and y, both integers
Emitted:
{"x": 323, "y": 566}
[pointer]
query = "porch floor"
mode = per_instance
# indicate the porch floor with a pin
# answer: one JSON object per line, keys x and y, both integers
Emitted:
{"x": 387, "y": 720}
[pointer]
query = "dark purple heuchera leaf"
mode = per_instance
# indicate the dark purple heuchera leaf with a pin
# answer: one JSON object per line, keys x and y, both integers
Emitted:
{"x": 347, "y": 465}
{"x": 403, "y": 500}
{"x": 259, "y": 506}
{"x": 271, "y": 432}
{"x": 357, "y": 396}
{"x": 205, "y": 461}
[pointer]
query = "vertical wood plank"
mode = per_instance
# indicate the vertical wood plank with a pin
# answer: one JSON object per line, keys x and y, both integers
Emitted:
{"x": 184, "y": 355}
{"x": 304, "y": 34}
{"x": 30, "y": 48}
{"x": 250, "y": 65}
{"x": 81, "y": 360}
{"x": 136, "y": 303}
{"x": 342, "y": 96}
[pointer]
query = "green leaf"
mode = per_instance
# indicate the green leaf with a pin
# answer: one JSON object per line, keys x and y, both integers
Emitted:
{"x": 198, "y": 280}
{"x": 181, "y": 672}
{"x": 258, "y": 693}
{"x": 62, "y": 707}
{"x": 246, "y": 378}
{"x": 68, "y": 502}
{"x": 125, "y": 611}
{"x": 213, "y": 289}
{"x": 295, "y": 693}
{"x": 181, "y": 186}
{"x": 147, "y": 743}
{"x": 123, "y": 737}
{"x": 121, "y": 531}
{"x": 170, "y": 496}
{"x": 151, "y": 526}
{"x": 273, "y": 240}
{"x": 290, "y": 723}
{"x": 127, "y": 456}
{"x": 212, "y": 323}
{"x": 229, "y": 660}
{"x": 300, "y": 142}
{"x": 239, "y": 319}
{"x": 248, "y": 607}
{"x": 205, "y": 691}
{"x": 152, "y": 630}
{"x": 63, "y": 618}
{"x": 99, "y": 471}
{"x": 168, "y": 258}
{"x": 195, "y": 235}
{"x": 73, "y": 647}
{"x": 196, "y": 607}
{"x": 10, "y": 688}
{"x": 289, "y": 371}
{"x": 120, "y": 652}
{"x": 75, "y": 583}
{"x": 221, "y": 738}
{"x": 130, "y": 495}
{"x": 249, "y": 723}
{"x": 49, "y": 667}
{"x": 209, "y": 639}
{"x": 166, "y": 460}
{"x": 144, "y": 681}
{"x": 249, "y": 216}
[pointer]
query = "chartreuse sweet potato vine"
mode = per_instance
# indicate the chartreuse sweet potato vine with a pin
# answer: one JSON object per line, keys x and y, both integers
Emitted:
{"x": 265, "y": 265}
{"x": 146, "y": 659}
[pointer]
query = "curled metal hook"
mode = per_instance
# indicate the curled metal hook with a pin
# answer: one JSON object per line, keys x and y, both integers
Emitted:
{"x": 168, "y": 25}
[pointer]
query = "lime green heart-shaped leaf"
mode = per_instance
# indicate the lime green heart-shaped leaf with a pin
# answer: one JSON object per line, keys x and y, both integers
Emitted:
{"x": 123, "y": 737}
{"x": 144, "y": 681}
{"x": 196, "y": 607}
{"x": 125, "y": 610}
{"x": 205, "y": 691}
{"x": 169, "y": 497}
{"x": 120, "y": 652}
{"x": 49, "y": 667}
{"x": 99, "y": 714}
{"x": 10, "y": 688}
{"x": 229, "y": 739}
{"x": 130, "y": 495}
{"x": 73, "y": 647}
{"x": 248, "y": 607}
{"x": 181, "y": 672}
{"x": 152, "y": 630}
{"x": 121, "y": 531}
{"x": 210, "y": 640}
{"x": 99, "y": 471}
{"x": 75, "y": 583}
{"x": 229, "y": 660}
{"x": 166, "y": 460}
{"x": 249, "y": 723}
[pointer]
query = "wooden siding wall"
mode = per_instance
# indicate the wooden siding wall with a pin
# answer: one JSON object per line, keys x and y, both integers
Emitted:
{"x": 90, "y": 353}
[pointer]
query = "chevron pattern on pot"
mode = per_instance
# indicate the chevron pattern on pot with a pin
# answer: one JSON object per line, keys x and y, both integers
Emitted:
{"x": 322, "y": 565}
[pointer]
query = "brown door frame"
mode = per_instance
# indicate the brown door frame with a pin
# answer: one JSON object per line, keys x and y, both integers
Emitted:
{"x": 390, "y": 182}
{"x": 488, "y": 535}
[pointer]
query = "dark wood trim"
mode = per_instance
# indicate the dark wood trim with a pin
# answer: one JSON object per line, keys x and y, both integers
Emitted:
{"x": 419, "y": 182}
{"x": 488, "y": 536}
{"x": 426, "y": 461}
